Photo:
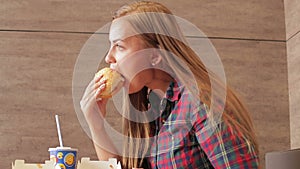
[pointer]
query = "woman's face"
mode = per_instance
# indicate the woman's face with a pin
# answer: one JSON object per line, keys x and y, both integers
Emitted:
{"x": 126, "y": 55}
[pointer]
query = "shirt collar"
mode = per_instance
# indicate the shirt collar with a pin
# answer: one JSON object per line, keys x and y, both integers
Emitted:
{"x": 174, "y": 91}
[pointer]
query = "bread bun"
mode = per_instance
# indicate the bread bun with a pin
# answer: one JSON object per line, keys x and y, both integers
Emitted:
{"x": 114, "y": 82}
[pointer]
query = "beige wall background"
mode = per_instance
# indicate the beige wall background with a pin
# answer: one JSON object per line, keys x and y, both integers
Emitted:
{"x": 292, "y": 14}
{"x": 41, "y": 40}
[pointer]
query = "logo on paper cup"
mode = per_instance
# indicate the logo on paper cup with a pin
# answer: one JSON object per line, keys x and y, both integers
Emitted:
{"x": 59, "y": 155}
{"x": 69, "y": 159}
{"x": 60, "y": 166}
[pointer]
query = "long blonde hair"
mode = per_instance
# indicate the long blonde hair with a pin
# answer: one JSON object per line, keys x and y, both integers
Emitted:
{"x": 235, "y": 113}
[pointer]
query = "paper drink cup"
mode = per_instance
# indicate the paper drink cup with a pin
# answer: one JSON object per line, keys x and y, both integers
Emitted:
{"x": 63, "y": 157}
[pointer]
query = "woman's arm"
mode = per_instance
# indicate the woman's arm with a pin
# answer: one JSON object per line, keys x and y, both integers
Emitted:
{"x": 94, "y": 112}
{"x": 104, "y": 147}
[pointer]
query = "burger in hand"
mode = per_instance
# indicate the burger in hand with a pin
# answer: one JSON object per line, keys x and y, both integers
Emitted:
{"x": 114, "y": 82}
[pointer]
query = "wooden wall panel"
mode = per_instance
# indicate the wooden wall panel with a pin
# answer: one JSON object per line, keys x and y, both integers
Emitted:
{"x": 36, "y": 74}
{"x": 292, "y": 15}
{"x": 253, "y": 19}
{"x": 293, "y": 50}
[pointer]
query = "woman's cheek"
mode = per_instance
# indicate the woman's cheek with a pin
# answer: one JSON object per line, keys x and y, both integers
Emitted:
{"x": 131, "y": 66}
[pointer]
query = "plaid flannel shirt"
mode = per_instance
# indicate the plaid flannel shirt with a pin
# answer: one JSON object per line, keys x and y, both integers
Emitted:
{"x": 182, "y": 142}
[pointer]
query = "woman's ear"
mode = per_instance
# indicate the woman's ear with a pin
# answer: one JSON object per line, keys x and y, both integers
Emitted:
{"x": 155, "y": 58}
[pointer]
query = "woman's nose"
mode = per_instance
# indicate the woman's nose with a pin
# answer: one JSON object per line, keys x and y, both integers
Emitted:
{"x": 109, "y": 58}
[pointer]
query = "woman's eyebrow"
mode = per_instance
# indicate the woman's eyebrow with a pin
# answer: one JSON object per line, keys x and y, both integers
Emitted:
{"x": 116, "y": 40}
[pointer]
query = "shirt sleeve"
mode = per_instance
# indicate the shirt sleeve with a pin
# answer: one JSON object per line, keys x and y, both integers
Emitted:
{"x": 224, "y": 148}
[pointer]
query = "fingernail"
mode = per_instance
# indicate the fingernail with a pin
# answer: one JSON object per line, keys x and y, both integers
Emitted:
{"x": 102, "y": 80}
{"x": 102, "y": 86}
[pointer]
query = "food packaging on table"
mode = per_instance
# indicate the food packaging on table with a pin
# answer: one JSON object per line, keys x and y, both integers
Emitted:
{"x": 84, "y": 163}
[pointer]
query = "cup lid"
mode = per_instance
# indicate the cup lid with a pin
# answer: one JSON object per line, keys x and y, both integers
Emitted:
{"x": 62, "y": 148}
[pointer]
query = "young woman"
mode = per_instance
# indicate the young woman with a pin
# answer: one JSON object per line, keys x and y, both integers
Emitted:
{"x": 172, "y": 118}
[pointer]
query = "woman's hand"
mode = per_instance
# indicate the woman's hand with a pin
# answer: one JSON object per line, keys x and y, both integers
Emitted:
{"x": 93, "y": 107}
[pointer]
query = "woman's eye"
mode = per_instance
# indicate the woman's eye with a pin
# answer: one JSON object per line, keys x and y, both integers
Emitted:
{"x": 120, "y": 47}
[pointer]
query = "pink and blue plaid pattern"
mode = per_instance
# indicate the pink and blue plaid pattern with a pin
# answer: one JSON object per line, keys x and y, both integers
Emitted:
{"x": 182, "y": 143}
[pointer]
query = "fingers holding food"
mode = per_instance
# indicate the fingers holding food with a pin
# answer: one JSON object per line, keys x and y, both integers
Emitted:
{"x": 113, "y": 82}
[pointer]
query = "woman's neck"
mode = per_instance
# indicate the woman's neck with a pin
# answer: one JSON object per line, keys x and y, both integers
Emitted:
{"x": 160, "y": 82}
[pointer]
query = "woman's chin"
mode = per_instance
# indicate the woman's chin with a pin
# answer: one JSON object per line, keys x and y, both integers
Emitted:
{"x": 134, "y": 89}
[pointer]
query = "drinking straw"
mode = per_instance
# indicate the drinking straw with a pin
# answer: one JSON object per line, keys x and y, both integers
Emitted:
{"x": 58, "y": 131}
